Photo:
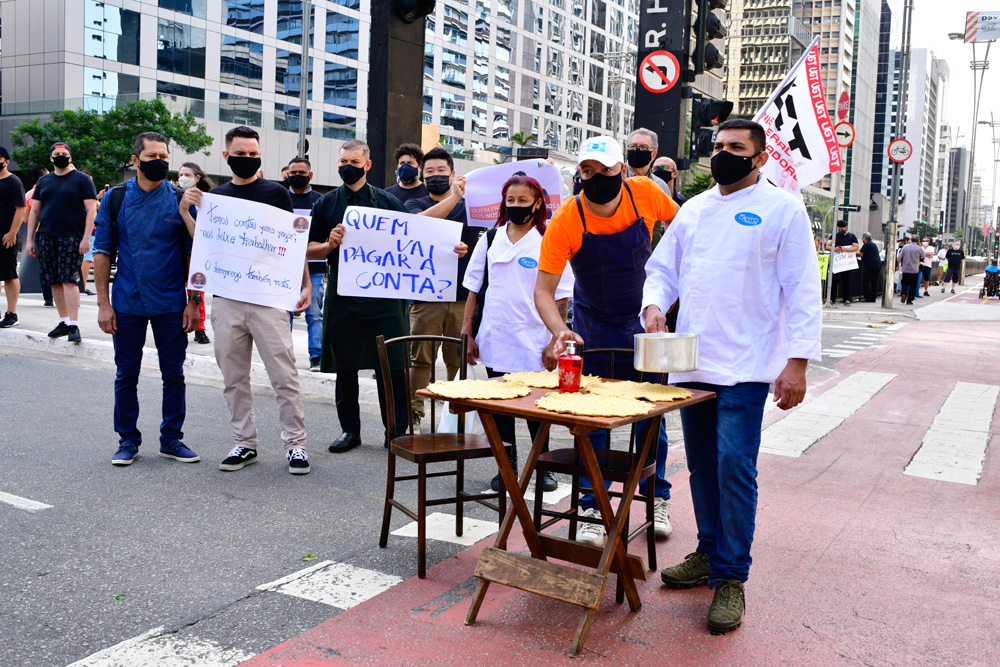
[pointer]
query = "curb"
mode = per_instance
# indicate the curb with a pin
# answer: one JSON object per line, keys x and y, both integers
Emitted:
{"x": 870, "y": 316}
{"x": 196, "y": 366}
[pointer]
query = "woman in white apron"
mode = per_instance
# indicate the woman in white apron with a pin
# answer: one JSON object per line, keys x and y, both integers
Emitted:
{"x": 500, "y": 314}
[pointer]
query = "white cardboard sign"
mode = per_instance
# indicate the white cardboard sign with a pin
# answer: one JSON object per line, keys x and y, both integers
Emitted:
{"x": 393, "y": 255}
{"x": 248, "y": 251}
{"x": 484, "y": 186}
{"x": 844, "y": 261}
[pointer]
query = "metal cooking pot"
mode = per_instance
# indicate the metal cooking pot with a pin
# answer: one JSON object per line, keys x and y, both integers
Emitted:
{"x": 666, "y": 352}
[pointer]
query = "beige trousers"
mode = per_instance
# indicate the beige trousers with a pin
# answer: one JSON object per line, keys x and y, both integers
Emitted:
{"x": 237, "y": 326}
{"x": 433, "y": 319}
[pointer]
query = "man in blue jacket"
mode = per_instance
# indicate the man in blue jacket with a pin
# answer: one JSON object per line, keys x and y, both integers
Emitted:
{"x": 139, "y": 220}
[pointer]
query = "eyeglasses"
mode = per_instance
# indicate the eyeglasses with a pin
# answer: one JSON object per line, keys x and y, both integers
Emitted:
{"x": 639, "y": 147}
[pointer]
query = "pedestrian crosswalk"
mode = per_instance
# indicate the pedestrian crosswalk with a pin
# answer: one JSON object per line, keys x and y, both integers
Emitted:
{"x": 867, "y": 336}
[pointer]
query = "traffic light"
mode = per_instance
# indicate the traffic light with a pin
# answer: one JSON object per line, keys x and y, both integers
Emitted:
{"x": 411, "y": 10}
{"x": 708, "y": 26}
{"x": 705, "y": 114}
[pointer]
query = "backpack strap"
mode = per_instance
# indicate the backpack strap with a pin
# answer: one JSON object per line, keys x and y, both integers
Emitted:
{"x": 116, "y": 200}
{"x": 477, "y": 318}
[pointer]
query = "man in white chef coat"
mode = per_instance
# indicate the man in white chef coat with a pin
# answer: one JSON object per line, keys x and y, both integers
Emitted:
{"x": 741, "y": 259}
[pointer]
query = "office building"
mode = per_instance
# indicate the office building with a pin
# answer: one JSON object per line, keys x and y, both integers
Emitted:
{"x": 864, "y": 72}
{"x": 879, "y": 156}
{"x": 958, "y": 169}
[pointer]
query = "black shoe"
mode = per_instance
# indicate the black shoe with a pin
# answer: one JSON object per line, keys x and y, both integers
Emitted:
{"x": 9, "y": 320}
{"x": 201, "y": 337}
{"x": 345, "y": 443}
{"x": 49, "y": 304}
{"x": 238, "y": 458}
{"x": 416, "y": 420}
{"x": 495, "y": 483}
{"x": 314, "y": 364}
{"x": 298, "y": 462}
{"x": 549, "y": 482}
{"x": 62, "y": 329}
{"x": 74, "y": 334}
{"x": 89, "y": 293}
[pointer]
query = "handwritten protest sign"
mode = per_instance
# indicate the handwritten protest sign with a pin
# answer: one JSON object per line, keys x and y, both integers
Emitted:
{"x": 484, "y": 186}
{"x": 393, "y": 255}
{"x": 247, "y": 251}
{"x": 824, "y": 260}
{"x": 844, "y": 261}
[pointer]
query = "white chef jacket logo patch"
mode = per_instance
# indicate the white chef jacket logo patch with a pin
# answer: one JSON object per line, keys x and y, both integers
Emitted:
{"x": 527, "y": 263}
{"x": 748, "y": 219}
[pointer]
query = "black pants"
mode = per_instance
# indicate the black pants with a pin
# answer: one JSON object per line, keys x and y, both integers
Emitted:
{"x": 506, "y": 424}
{"x": 911, "y": 281}
{"x": 349, "y": 412}
{"x": 869, "y": 284}
{"x": 843, "y": 281}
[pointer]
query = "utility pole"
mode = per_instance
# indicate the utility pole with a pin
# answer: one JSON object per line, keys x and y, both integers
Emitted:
{"x": 304, "y": 80}
{"x": 889, "y": 239}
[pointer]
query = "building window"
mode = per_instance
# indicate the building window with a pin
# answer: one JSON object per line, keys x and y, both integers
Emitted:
{"x": 598, "y": 13}
{"x": 455, "y": 26}
{"x": 239, "y": 110}
{"x": 342, "y": 35}
{"x": 428, "y": 109}
{"x": 340, "y": 85}
{"x": 245, "y": 14}
{"x": 241, "y": 62}
{"x": 290, "y": 21}
{"x": 111, "y": 33}
{"x": 286, "y": 118}
{"x": 182, "y": 99}
{"x": 593, "y": 112}
{"x": 453, "y": 67}
{"x": 104, "y": 91}
{"x": 180, "y": 49}
{"x": 194, "y": 8}
{"x": 339, "y": 126}
{"x": 453, "y": 111}
{"x": 288, "y": 73}
{"x": 596, "y": 84}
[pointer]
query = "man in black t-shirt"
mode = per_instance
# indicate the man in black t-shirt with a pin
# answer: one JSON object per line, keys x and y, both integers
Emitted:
{"x": 408, "y": 186}
{"x": 298, "y": 175}
{"x": 239, "y": 325}
{"x": 11, "y": 215}
{"x": 844, "y": 242}
{"x": 63, "y": 213}
{"x": 445, "y": 200}
{"x": 871, "y": 267}
{"x": 955, "y": 258}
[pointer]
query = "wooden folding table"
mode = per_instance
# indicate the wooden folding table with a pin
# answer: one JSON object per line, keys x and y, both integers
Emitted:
{"x": 537, "y": 573}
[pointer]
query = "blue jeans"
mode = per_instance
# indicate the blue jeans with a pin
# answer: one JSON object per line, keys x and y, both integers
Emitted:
{"x": 171, "y": 347}
{"x": 661, "y": 488}
{"x": 314, "y": 315}
{"x": 722, "y": 438}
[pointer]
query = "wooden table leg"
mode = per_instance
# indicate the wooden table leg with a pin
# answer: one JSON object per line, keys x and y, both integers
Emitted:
{"x": 516, "y": 490}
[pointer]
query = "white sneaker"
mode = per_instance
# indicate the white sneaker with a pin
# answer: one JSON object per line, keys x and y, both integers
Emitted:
{"x": 591, "y": 533}
{"x": 661, "y": 518}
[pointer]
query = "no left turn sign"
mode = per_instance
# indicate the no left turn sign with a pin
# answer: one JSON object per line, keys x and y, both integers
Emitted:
{"x": 659, "y": 71}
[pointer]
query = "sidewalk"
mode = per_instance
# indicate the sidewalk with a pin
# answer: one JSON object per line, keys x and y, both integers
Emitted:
{"x": 963, "y": 306}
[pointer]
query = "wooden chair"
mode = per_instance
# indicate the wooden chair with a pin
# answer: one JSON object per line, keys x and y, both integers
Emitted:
{"x": 430, "y": 448}
{"x": 614, "y": 466}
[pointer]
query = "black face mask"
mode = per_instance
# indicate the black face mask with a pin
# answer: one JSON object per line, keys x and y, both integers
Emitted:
{"x": 664, "y": 174}
{"x": 438, "y": 185}
{"x": 639, "y": 157}
{"x": 407, "y": 173}
{"x": 521, "y": 215}
{"x": 3, "y": 166}
{"x": 729, "y": 168}
{"x": 243, "y": 166}
{"x": 577, "y": 186}
{"x": 298, "y": 181}
{"x": 351, "y": 174}
{"x": 61, "y": 161}
{"x": 154, "y": 170}
{"x": 601, "y": 189}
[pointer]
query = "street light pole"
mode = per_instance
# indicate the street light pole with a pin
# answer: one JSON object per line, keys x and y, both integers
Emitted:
{"x": 889, "y": 240}
{"x": 304, "y": 79}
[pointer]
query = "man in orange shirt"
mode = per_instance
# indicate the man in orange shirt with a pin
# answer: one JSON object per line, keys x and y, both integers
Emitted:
{"x": 605, "y": 233}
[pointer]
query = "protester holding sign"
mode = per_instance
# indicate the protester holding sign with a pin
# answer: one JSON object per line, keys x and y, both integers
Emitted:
{"x": 750, "y": 290}
{"x": 238, "y": 325}
{"x": 845, "y": 247}
{"x": 351, "y": 323}
{"x": 300, "y": 176}
{"x": 500, "y": 313}
{"x": 138, "y": 221}
{"x": 439, "y": 318}
{"x": 408, "y": 185}
{"x": 606, "y": 235}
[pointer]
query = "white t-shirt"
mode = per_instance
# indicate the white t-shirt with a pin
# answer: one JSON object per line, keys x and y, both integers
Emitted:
{"x": 929, "y": 253}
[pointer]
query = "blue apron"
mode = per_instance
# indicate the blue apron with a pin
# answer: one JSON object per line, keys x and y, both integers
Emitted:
{"x": 610, "y": 270}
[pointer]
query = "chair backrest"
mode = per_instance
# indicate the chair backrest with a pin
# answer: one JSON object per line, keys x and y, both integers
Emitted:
{"x": 384, "y": 347}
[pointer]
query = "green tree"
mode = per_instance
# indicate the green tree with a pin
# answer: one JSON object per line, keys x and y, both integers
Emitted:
{"x": 103, "y": 143}
{"x": 700, "y": 181}
{"x": 923, "y": 230}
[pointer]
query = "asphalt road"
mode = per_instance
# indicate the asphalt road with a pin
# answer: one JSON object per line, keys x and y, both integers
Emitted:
{"x": 180, "y": 544}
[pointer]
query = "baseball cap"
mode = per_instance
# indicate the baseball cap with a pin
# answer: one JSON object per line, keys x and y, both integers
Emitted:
{"x": 59, "y": 144}
{"x": 604, "y": 149}
{"x": 4, "y": 153}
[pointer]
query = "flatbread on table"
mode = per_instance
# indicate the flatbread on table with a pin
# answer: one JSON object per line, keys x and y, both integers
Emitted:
{"x": 650, "y": 391}
{"x": 479, "y": 389}
{"x": 592, "y": 405}
{"x": 546, "y": 379}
